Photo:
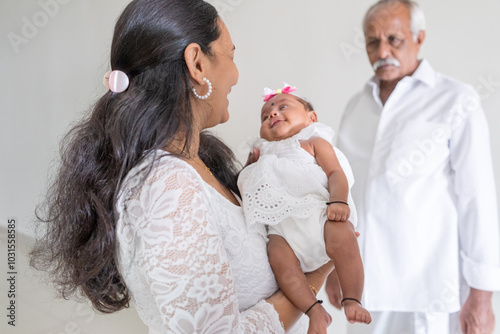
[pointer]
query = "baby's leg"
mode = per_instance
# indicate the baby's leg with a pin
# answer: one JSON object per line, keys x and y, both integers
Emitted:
{"x": 342, "y": 247}
{"x": 294, "y": 284}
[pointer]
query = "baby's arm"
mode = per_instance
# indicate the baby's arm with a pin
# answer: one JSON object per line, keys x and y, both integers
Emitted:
{"x": 338, "y": 186}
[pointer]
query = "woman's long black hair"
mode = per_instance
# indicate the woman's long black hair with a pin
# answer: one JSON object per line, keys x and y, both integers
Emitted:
{"x": 78, "y": 244}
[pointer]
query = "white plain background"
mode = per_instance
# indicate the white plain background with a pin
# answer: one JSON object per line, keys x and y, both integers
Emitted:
{"x": 54, "y": 76}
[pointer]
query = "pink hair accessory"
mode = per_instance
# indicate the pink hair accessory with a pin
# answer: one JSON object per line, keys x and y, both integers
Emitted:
{"x": 269, "y": 93}
{"x": 116, "y": 81}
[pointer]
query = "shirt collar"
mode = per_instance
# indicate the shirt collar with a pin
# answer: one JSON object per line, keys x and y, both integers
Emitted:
{"x": 424, "y": 73}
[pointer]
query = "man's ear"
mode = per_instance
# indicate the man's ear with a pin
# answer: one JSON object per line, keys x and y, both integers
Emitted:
{"x": 195, "y": 61}
{"x": 420, "y": 38}
{"x": 313, "y": 116}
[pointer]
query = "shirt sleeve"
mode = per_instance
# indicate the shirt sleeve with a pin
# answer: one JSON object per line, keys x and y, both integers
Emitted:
{"x": 474, "y": 185}
{"x": 181, "y": 256}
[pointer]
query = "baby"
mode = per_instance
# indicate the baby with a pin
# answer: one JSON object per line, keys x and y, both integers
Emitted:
{"x": 300, "y": 191}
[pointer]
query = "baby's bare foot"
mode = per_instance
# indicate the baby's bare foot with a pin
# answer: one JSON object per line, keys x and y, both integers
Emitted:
{"x": 354, "y": 312}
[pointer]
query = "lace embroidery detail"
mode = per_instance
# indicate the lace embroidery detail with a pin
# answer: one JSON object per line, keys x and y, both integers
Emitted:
{"x": 286, "y": 181}
{"x": 286, "y": 190}
{"x": 174, "y": 259}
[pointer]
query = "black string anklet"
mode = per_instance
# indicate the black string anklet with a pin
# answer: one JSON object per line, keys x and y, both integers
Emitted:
{"x": 328, "y": 203}
{"x": 357, "y": 301}
{"x": 319, "y": 301}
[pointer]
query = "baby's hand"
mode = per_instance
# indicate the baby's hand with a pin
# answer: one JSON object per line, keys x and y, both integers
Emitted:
{"x": 253, "y": 156}
{"x": 338, "y": 212}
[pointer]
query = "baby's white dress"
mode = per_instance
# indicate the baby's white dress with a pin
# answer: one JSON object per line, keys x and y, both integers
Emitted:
{"x": 287, "y": 191}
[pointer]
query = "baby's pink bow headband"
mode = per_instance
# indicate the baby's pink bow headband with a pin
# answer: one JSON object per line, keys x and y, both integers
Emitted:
{"x": 116, "y": 81}
{"x": 269, "y": 93}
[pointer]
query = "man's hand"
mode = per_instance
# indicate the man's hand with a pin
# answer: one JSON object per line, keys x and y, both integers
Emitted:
{"x": 476, "y": 316}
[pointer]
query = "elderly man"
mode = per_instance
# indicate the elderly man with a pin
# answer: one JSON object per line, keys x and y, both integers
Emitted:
{"x": 419, "y": 147}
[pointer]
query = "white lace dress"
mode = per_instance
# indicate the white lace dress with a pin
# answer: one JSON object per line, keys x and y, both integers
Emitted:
{"x": 187, "y": 258}
{"x": 287, "y": 191}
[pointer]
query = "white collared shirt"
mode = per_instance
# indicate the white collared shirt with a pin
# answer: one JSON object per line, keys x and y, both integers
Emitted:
{"x": 425, "y": 192}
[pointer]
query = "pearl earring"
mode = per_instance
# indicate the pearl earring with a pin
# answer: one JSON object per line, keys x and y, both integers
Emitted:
{"x": 204, "y": 97}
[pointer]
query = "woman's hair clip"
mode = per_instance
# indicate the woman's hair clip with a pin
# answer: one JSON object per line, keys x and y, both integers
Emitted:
{"x": 116, "y": 81}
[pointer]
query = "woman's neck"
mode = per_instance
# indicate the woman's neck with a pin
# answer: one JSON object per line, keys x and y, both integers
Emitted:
{"x": 180, "y": 144}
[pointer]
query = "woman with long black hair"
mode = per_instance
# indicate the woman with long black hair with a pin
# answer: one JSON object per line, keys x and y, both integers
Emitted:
{"x": 145, "y": 203}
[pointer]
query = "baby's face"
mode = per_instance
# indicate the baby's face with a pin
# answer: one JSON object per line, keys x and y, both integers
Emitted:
{"x": 284, "y": 116}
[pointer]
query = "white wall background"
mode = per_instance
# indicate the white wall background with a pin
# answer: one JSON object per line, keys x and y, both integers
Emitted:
{"x": 53, "y": 54}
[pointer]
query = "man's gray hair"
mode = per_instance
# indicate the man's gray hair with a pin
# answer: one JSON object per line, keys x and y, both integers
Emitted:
{"x": 417, "y": 16}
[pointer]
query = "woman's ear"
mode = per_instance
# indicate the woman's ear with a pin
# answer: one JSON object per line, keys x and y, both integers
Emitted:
{"x": 195, "y": 61}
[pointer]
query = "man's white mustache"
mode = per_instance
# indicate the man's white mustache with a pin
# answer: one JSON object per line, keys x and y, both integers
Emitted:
{"x": 388, "y": 61}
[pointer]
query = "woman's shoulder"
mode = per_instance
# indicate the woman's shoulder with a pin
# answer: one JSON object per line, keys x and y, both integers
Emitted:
{"x": 160, "y": 193}
{"x": 158, "y": 174}
{"x": 159, "y": 165}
